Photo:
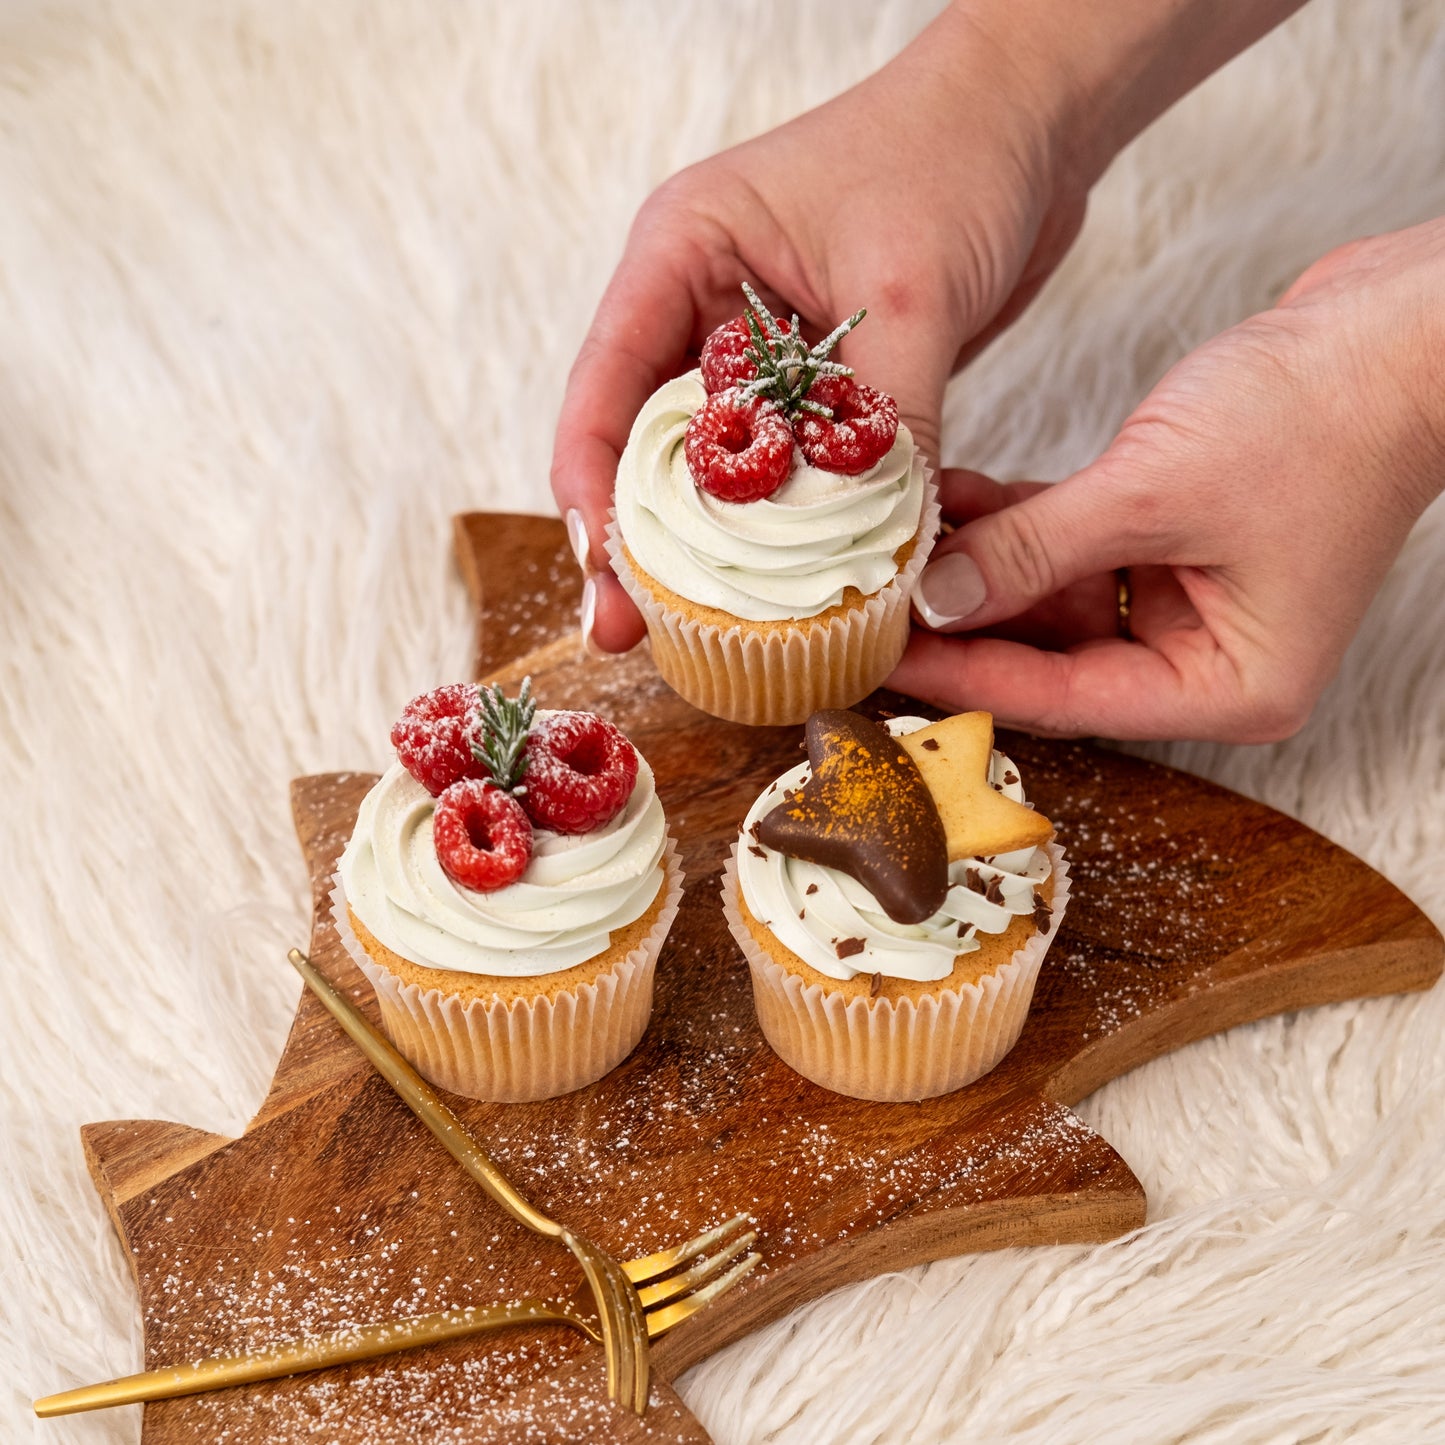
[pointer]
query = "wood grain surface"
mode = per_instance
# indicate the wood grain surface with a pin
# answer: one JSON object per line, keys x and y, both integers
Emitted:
{"x": 1193, "y": 910}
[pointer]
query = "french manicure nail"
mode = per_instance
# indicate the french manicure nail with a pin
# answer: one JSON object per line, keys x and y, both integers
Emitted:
{"x": 577, "y": 536}
{"x": 589, "y": 619}
{"x": 950, "y": 589}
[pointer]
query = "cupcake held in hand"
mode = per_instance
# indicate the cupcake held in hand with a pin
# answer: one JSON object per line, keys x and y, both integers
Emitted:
{"x": 894, "y": 898}
{"x": 507, "y": 889}
{"x": 772, "y": 517}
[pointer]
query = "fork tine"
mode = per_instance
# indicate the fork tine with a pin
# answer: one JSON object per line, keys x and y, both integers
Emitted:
{"x": 669, "y": 1316}
{"x": 610, "y": 1318}
{"x": 690, "y": 1279}
{"x": 637, "y": 1362}
{"x": 639, "y": 1271}
{"x": 623, "y": 1322}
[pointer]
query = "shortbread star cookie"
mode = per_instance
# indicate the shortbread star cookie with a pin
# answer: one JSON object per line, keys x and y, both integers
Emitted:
{"x": 978, "y": 820}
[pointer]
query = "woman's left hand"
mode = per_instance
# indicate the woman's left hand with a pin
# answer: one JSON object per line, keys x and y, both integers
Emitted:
{"x": 1257, "y": 496}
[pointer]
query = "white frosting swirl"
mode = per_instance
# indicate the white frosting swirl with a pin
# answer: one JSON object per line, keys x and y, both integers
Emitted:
{"x": 563, "y": 910}
{"x": 791, "y": 555}
{"x": 776, "y": 890}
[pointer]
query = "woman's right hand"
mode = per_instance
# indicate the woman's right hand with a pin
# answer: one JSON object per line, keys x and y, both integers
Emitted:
{"x": 934, "y": 193}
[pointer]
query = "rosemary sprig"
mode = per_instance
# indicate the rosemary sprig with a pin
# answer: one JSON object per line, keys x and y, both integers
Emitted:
{"x": 787, "y": 366}
{"x": 505, "y": 724}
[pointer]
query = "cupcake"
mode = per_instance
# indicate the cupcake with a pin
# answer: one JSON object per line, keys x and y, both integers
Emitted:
{"x": 894, "y": 897}
{"x": 507, "y": 889}
{"x": 772, "y": 517}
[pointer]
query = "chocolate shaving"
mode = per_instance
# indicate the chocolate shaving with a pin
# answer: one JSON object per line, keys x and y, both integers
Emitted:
{"x": 753, "y": 832}
{"x": 802, "y": 913}
{"x": 847, "y": 947}
{"x": 929, "y": 745}
{"x": 811, "y": 888}
{"x": 973, "y": 880}
{"x": 963, "y": 927}
{"x": 867, "y": 812}
{"x": 993, "y": 893}
{"x": 1043, "y": 914}
{"x": 756, "y": 851}
{"x": 1010, "y": 777}
{"x": 875, "y": 986}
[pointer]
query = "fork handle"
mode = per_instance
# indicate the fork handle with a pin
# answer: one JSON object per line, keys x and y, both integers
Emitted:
{"x": 422, "y": 1099}
{"x": 318, "y": 1352}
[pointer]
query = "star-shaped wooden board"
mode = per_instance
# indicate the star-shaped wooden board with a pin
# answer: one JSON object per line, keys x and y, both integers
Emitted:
{"x": 1193, "y": 910}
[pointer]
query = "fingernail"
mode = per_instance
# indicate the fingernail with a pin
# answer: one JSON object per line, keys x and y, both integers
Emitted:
{"x": 950, "y": 589}
{"x": 577, "y": 536}
{"x": 589, "y": 619}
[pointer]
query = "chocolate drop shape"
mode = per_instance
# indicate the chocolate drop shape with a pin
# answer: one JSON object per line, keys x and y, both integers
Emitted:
{"x": 865, "y": 811}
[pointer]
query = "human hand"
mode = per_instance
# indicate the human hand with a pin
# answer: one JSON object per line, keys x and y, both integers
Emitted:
{"x": 933, "y": 194}
{"x": 1258, "y": 495}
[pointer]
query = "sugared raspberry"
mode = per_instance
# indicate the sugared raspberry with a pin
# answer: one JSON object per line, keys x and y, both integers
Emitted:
{"x": 580, "y": 772}
{"x": 435, "y": 734}
{"x": 723, "y": 363}
{"x": 864, "y": 424}
{"x": 738, "y": 449}
{"x": 483, "y": 838}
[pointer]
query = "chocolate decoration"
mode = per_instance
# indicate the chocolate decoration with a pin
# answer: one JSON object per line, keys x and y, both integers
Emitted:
{"x": 865, "y": 811}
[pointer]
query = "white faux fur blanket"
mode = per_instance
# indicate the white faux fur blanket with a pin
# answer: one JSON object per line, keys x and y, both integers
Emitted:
{"x": 282, "y": 287}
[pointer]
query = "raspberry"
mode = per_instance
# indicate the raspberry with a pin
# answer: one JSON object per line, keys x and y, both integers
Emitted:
{"x": 580, "y": 772}
{"x": 864, "y": 424}
{"x": 482, "y": 836}
{"x": 722, "y": 361}
{"x": 738, "y": 449}
{"x": 435, "y": 735}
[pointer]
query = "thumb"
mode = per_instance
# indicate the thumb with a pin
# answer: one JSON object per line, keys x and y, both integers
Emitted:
{"x": 1001, "y": 564}
{"x": 892, "y": 351}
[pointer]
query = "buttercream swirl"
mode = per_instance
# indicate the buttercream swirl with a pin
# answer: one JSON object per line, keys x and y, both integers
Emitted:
{"x": 576, "y": 891}
{"x": 777, "y": 888}
{"x": 791, "y": 555}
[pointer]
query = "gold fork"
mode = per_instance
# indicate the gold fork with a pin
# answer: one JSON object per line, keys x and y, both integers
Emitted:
{"x": 624, "y": 1330}
{"x": 610, "y": 1283}
{"x": 666, "y": 1304}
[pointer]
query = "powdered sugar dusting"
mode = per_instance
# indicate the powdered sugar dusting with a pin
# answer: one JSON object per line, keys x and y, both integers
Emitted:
{"x": 342, "y": 1210}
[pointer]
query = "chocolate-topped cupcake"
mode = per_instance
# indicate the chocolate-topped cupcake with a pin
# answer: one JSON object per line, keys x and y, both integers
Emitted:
{"x": 894, "y": 897}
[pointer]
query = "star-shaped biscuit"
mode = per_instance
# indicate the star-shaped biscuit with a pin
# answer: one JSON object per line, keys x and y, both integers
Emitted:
{"x": 865, "y": 810}
{"x": 978, "y": 821}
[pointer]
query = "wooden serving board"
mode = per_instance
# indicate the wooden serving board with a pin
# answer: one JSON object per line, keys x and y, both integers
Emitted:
{"x": 1193, "y": 910}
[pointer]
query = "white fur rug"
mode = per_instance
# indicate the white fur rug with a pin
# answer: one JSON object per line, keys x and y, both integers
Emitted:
{"x": 284, "y": 286}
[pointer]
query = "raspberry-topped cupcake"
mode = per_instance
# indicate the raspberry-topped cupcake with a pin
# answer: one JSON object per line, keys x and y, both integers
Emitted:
{"x": 894, "y": 898}
{"x": 507, "y": 889}
{"x": 772, "y": 516}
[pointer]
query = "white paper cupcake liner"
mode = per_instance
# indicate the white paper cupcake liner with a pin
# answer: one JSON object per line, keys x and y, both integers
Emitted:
{"x": 892, "y": 1050}
{"x": 776, "y": 676}
{"x": 512, "y": 1050}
